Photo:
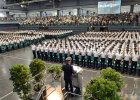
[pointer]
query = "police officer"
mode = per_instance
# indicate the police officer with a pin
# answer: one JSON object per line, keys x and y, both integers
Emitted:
{"x": 89, "y": 52}
{"x": 83, "y": 53}
{"x": 126, "y": 62}
{"x": 61, "y": 54}
{"x": 110, "y": 59}
{"x": 77, "y": 56}
{"x": 135, "y": 58}
{"x": 71, "y": 54}
{"x": 96, "y": 55}
{"x": 42, "y": 52}
{"x": 33, "y": 50}
{"x": 68, "y": 71}
{"x": 55, "y": 53}
{"x": 51, "y": 53}
{"x": 38, "y": 51}
{"x": 46, "y": 52}
{"x": 66, "y": 52}
{"x": 103, "y": 56}
{"x": 118, "y": 61}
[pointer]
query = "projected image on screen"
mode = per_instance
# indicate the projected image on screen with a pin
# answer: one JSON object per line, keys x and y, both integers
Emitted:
{"x": 109, "y": 7}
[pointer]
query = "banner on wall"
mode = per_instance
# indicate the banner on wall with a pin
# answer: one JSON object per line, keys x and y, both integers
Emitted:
{"x": 109, "y": 7}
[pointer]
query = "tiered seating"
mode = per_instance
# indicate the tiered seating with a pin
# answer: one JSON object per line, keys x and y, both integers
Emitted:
{"x": 123, "y": 19}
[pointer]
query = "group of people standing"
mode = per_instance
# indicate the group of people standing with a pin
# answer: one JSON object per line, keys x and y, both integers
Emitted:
{"x": 119, "y": 50}
{"x": 10, "y": 40}
{"x": 17, "y": 39}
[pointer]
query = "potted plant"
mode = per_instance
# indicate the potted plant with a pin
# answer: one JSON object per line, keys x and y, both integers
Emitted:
{"x": 20, "y": 76}
{"x": 104, "y": 87}
{"x": 37, "y": 68}
{"x": 101, "y": 89}
{"x": 55, "y": 70}
{"x": 111, "y": 75}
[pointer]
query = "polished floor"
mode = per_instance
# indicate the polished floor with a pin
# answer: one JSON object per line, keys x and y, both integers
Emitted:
{"x": 131, "y": 90}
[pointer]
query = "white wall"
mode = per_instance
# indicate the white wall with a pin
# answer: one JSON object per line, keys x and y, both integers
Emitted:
{"x": 51, "y": 13}
{"x": 66, "y": 12}
{"x": 2, "y": 14}
{"x": 18, "y": 14}
{"x": 31, "y": 14}
{"x": 137, "y": 8}
{"x": 89, "y": 9}
{"x": 34, "y": 14}
{"x": 125, "y": 8}
{"x": 74, "y": 11}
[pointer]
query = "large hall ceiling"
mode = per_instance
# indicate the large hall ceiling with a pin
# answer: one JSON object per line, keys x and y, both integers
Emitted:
{"x": 49, "y": 4}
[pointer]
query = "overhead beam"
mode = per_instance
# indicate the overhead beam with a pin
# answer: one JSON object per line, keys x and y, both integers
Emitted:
{"x": 78, "y": 2}
{"x": 27, "y": 2}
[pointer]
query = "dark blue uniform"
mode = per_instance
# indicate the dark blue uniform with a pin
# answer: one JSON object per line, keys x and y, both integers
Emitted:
{"x": 68, "y": 71}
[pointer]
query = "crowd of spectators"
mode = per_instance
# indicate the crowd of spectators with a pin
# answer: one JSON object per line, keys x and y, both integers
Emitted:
{"x": 120, "y": 19}
{"x": 12, "y": 19}
{"x": 95, "y": 20}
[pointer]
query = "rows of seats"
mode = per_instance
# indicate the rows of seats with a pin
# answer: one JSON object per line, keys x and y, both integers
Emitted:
{"x": 74, "y": 20}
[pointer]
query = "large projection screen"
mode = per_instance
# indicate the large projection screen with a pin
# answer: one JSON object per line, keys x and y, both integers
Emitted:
{"x": 109, "y": 7}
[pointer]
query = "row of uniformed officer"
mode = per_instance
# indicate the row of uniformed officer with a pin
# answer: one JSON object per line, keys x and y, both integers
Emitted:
{"x": 98, "y": 49}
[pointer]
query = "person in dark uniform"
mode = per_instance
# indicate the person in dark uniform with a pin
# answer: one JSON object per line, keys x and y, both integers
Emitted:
{"x": 61, "y": 54}
{"x": 118, "y": 61}
{"x": 38, "y": 51}
{"x": 77, "y": 56}
{"x": 89, "y": 53}
{"x": 34, "y": 50}
{"x": 103, "y": 58}
{"x": 51, "y": 53}
{"x": 68, "y": 71}
{"x": 55, "y": 53}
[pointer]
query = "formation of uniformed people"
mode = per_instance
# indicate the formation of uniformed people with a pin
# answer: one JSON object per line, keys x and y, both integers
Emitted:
{"x": 56, "y": 33}
{"x": 49, "y": 34}
{"x": 13, "y": 40}
{"x": 10, "y": 40}
{"x": 119, "y": 50}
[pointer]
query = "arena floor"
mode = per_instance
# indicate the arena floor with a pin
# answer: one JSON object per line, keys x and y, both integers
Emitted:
{"x": 131, "y": 90}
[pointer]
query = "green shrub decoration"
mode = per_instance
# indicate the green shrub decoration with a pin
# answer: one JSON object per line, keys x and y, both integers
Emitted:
{"x": 55, "y": 70}
{"x": 37, "y": 67}
{"x": 20, "y": 76}
{"x": 111, "y": 75}
{"x": 104, "y": 87}
{"x": 101, "y": 89}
